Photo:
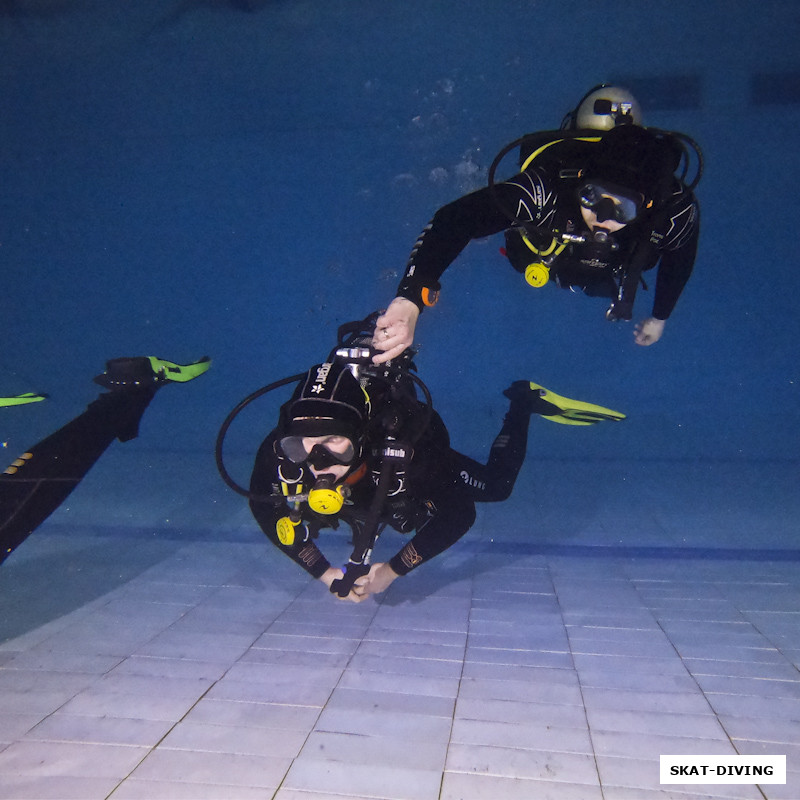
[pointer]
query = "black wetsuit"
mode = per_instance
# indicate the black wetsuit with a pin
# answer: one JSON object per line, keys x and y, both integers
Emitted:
{"x": 546, "y": 203}
{"x": 433, "y": 497}
{"x": 41, "y": 479}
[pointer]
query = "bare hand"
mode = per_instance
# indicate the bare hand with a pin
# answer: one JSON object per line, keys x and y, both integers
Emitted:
{"x": 334, "y": 574}
{"x": 648, "y": 331}
{"x": 394, "y": 330}
{"x": 377, "y": 580}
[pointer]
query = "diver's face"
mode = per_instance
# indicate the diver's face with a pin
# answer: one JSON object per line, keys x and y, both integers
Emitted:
{"x": 608, "y": 225}
{"x": 338, "y": 445}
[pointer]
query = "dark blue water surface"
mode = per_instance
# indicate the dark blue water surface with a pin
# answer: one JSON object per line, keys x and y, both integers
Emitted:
{"x": 191, "y": 177}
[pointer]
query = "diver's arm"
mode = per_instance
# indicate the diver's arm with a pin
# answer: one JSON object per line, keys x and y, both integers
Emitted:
{"x": 447, "y": 514}
{"x": 452, "y": 228}
{"x": 681, "y": 231}
{"x": 679, "y": 235}
{"x": 303, "y": 551}
{"x": 434, "y": 538}
{"x": 453, "y": 517}
{"x": 268, "y": 512}
{"x": 674, "y": 272}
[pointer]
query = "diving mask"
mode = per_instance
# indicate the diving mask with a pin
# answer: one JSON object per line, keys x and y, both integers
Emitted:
{"x": 319, "y": 451}
{"x": 611, "y": 202}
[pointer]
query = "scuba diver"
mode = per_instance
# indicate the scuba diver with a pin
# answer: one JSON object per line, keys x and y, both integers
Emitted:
{"x": 355, "y": 444}
{"x": 594, "y": 205}
{"x": 37, "y": 482}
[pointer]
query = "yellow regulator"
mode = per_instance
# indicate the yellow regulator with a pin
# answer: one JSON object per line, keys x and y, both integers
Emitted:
{"x": 326, "y": 499}
{"x": 285, "y": 528}
{"x": 537, "y": 274}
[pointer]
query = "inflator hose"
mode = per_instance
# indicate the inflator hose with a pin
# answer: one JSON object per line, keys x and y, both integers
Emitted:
{"x": 224, "y": 430}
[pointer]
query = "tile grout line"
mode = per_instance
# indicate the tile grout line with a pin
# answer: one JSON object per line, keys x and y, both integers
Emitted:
{"x": 313, "y": 727}
{"x": 191, "y": 708}
{"x": 474, "y": 559}
{"x": 688, "y": 671}
{"x": 578, "y": 676}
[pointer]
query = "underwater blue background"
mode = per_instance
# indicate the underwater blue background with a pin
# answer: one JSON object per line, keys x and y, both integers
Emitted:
{"x": 190, "y": 178}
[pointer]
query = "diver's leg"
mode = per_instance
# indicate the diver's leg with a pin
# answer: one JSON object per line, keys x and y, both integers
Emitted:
{"x": 43, "y": 477}
{"x": 494, "y": 481}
